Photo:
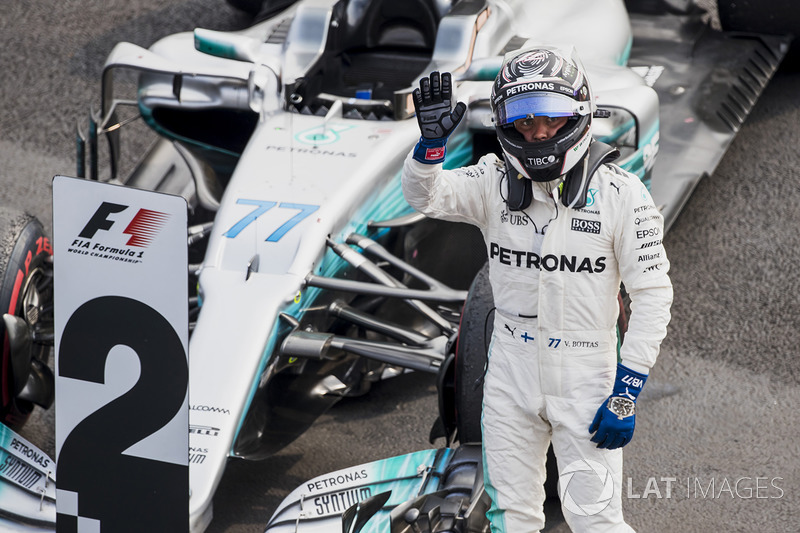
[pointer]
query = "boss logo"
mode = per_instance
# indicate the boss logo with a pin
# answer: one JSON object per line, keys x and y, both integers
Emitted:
{"x": 586, "y": 226}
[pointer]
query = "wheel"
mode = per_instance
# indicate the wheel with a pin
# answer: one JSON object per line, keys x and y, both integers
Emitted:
{"x": 475, "y": 334}
{"x": 261, "y": 9}
{"x": 761, "y": 16}
{"x": 26, "y": 300}
{"x": 775, "y": 17}
{"x": 251, "y": 7}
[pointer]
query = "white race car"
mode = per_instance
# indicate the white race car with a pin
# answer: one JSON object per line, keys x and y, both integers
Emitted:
{"x": 311, "y": 275}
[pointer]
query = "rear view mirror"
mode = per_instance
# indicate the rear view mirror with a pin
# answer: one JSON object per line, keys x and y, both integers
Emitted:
{"x": 227, "y": 45}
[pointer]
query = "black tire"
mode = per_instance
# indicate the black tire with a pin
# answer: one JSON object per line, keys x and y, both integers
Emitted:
{"x": 25, "y": 273}
{"x": 773, "y": 17}
{"x": 776, "y": 17}
{"x": 251, "y": 7}
{"x": 475, "y": 334}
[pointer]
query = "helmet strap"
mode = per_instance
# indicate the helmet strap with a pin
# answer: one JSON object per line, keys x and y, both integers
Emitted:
{"x": 520, "y": 190}
{"x": 579, "y": 177}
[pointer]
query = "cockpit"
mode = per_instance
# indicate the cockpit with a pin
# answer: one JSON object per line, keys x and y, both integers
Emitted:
{"x": 374, "y": 51}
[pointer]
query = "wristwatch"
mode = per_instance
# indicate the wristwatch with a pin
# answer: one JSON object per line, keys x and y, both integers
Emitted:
{"x": 622, "y": 407}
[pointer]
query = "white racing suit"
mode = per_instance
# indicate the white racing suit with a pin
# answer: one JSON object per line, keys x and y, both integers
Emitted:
{"x": 553, "y": 355}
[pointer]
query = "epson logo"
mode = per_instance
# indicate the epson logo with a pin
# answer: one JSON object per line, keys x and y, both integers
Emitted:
{"x": 541, "y": 161}
{"x": 586, "y": 226}
{"x": 645, "y": 233}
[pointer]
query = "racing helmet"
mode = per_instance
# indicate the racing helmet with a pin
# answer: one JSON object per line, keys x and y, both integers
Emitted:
{"x": 549, "y": 82}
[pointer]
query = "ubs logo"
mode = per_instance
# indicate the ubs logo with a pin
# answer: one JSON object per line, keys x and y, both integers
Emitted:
{"x": 514, "y": 218}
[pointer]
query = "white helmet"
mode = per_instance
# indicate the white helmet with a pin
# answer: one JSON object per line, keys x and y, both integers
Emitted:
{"x": 543, "y": 81}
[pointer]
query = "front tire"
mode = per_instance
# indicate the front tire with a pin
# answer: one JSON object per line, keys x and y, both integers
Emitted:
{"x": 26, "y": 292}
{"x": 475, "y": 334}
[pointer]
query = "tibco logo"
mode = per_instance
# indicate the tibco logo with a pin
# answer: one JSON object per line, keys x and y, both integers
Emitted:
{"x": 541, "y": 161}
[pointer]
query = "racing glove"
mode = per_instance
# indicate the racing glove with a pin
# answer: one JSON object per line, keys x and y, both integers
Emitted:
{"x": 432, "y": 103}
{"x": 616, "y": 418}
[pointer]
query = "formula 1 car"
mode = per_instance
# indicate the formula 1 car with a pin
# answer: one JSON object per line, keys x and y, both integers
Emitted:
{"x": 425, "y": 491}
{"x": 27, "y": 485}
{"x": 311, "y": 276}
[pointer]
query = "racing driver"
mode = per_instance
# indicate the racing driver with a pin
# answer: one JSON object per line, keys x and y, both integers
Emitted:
{"x": 582, "y": 226}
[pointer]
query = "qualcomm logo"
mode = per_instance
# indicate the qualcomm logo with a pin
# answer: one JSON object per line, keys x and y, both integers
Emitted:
{"x": 320, "y": 135}
{"x": 591, "y": 489}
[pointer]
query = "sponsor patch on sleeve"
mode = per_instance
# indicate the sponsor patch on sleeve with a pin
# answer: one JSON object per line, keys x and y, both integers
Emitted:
{"x": 433, "y": 154}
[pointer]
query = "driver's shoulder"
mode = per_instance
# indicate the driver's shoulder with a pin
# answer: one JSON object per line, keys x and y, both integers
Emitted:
{"x": 615, "y": 179}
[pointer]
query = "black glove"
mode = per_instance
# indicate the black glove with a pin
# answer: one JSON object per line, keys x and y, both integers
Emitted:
{"x": 432, "y": 102}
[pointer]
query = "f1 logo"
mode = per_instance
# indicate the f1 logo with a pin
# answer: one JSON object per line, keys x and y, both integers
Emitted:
{"x": 142, "y": 229}
{"x": 100, "y": 219}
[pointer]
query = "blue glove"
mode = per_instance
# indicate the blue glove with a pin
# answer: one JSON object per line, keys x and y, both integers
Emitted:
{"x": 616, "y": 418}
{"x": 432, "y": 103}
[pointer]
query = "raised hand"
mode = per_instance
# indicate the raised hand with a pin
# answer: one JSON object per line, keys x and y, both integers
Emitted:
{"x": 435, "y": 115}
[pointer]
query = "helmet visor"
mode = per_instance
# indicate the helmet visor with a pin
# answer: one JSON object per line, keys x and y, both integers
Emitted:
{"x": 539, "y": 104}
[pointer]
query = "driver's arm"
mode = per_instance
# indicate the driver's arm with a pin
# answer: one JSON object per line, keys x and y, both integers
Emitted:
{"x": 456, "y": 195}
{"x": 644, "y": 269}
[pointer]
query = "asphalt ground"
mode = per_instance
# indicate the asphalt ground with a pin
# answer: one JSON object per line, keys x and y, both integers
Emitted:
{"x": 719, "y": 422}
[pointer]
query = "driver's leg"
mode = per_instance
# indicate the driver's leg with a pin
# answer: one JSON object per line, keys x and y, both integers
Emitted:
{"x": 515, "y": 436}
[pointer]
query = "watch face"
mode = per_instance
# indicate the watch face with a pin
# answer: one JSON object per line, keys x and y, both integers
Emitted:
{"x": 622, "y": 407}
